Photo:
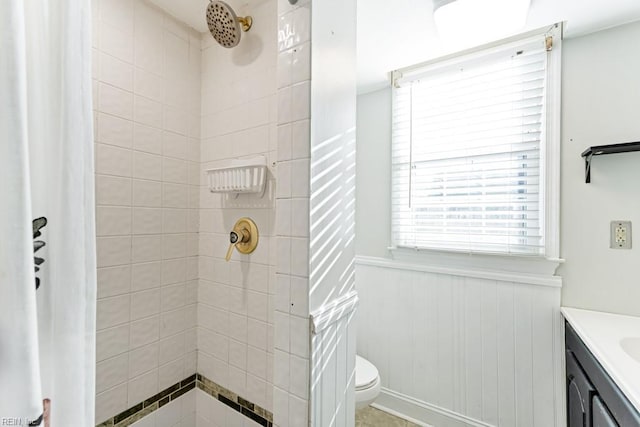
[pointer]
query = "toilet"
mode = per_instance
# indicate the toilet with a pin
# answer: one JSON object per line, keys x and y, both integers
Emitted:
{"x": 367, "y": 382}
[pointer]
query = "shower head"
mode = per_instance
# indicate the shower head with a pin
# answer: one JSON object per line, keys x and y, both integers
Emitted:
{"x": 224, "y": 25}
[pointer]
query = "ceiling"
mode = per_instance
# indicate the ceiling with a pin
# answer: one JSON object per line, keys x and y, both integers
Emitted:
{"x": 396, "y": 33}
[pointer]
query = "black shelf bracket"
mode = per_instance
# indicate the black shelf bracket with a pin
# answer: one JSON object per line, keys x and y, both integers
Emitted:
{"x": 599, "y": 150}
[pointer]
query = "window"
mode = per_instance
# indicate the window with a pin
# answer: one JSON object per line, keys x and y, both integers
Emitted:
{"x": 472, "y": 138}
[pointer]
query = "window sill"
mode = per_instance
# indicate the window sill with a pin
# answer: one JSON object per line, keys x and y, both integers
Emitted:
{"x": 507, "y": 268}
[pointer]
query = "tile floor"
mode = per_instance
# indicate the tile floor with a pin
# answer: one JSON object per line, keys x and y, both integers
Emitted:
{"x": 372, "y": 417}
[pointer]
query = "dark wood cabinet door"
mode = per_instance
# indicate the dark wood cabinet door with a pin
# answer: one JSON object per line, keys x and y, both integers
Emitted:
{"x": 601, "y": 415}
{"x": 576, "y": 411}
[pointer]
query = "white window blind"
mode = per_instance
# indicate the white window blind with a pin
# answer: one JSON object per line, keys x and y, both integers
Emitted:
{"x": 467, "y": 173}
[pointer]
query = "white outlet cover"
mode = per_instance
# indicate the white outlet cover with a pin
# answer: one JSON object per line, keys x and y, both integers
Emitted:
{"x": 620, "y": 236}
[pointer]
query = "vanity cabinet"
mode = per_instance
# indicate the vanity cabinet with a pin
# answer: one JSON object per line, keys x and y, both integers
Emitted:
{"x": 593, "y": 399}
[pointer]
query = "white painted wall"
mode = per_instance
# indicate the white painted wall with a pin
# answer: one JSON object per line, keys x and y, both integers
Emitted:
{"x": 332, "y": 208}
{"x": 600, "y": 105}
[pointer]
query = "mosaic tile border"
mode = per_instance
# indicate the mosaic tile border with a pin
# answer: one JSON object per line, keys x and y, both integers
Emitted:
{"x": 229, "y": 398}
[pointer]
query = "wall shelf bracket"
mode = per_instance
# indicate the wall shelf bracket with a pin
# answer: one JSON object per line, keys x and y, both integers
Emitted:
{"x": 599, "y": 150}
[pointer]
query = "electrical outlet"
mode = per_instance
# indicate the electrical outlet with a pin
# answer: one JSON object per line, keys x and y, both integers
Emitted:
{"x": 620, "y": 235}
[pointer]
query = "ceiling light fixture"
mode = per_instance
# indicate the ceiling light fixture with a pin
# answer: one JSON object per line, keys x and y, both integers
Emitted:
{"x": 465, "y": 23}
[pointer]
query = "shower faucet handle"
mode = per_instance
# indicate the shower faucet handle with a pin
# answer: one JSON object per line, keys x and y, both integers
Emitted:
{"x": 243, "y": 237}
{"x": 233, "y": 239}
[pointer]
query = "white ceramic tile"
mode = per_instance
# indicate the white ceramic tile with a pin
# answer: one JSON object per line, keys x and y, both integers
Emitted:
{"x": 111, "y": 372}
{"x": 147, "y": 193}
{"x": 144, "y": 331}
{"x": 284, "y": 142}
{"x": 300, "y": 101}
{"x": 283, "y": 217}
{"x": 116, "y": 72}
{"x": 300, "y": 185}
{"x": 115, "y": 42}
{"x": 299, "y": 371}
{"x": 118, "y": 13}
{"x": 299, "y": 339}
{"x": 285, "y": 31}
{"x": 111, "y": 402}
{"x": 298, "y": 411}
{"x": 172, "y": 348}
{"x": 114, "y": 130}
{"x": 147, "y": 138}
{"x": 300, "y": 257}
{"x": 112, "y": 342}
{"x": 115, "y": 101}
{"x": 300, "y": 217}
{"x": 147, "y": 220}
{"x": 145, "y": 275}
{"x": 174, "y": 246}
{"x": 147, "y": 166}
{"x": 257, "y": 334}
{"x": 148, "y": 84}
{"x": 147, "y": 111}
{"x": 113, "y": 160}
{"x": 281, "y": 331}
{"x": 114, "y": 281}
{"x": 174, "y": 170}
{"x": 301, "y": 23}
{"x": 284, "y": 180}
{"x": 174, "y": 195}
{"x": 170, "y": 373}
{"x": 175, "y": 120}
{"x": 300, "y": 140}
{"x": 280, "y": 407}
{"x": 113, "y": 221}
{"x": 169, "y": 414}
{"x": 174, "y": 220}
{"x": 143, "y": 359}
{"x": 281, "y": 369}
{"x": 285, "y": 60}
{"x": 173, "y": 297}
{"x": 172, "y": 322}
{"x": 142, "y": 387}
{"x": 113, "y": 251}
{"x": 283, "y": 245}
{"x": 301, "y": 63}
{"x": 257, "y": 362}
{"x": 145, "y": 304}
{"x": 299, "y": 296}
{"x": 238, "y": 354}
{"x": 174, "y": 145}
{"x": 285, "y": 103}
{"x": 113, "y": 190}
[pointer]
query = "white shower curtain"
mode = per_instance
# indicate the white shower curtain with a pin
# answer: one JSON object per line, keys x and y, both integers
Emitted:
{"x": 47, "y": 336}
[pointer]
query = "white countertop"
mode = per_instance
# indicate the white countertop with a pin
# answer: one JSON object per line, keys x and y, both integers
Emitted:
{"x": 602, "y": 333}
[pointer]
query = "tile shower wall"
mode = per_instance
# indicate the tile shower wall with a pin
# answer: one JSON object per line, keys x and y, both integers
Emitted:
{"x": 291, "y": 337}
{"x": 146, "y": 70}
{"x": 235, "y": 299}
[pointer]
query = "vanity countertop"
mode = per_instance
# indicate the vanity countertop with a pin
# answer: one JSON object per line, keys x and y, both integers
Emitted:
{"x": 609, "y": 337}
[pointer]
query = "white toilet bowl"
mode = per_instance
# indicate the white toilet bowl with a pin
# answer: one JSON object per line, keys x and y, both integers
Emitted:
{"x": 367, "y": 382}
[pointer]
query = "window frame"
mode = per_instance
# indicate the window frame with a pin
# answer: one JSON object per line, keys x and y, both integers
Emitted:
{"x": 549, "y": 154}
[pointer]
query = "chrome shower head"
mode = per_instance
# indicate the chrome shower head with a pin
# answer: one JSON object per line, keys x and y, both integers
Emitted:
{"x": 224, "y": 25}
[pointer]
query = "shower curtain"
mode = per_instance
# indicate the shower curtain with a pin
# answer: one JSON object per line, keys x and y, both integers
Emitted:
{"x": 47, "y": 243}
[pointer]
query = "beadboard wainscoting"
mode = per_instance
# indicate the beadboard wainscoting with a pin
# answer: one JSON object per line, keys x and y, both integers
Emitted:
{"x": 333, "y": 340}
{"x": 462, "y": 349}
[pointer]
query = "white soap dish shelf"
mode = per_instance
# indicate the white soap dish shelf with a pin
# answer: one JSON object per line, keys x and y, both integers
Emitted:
{"x": 238, "y": 176}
